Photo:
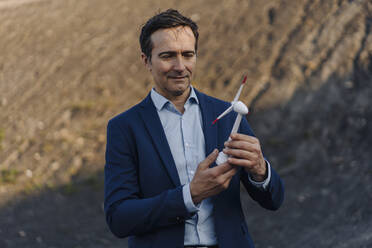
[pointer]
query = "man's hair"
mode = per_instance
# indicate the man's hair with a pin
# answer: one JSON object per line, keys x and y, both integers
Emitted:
{"x": 168, "y": 19}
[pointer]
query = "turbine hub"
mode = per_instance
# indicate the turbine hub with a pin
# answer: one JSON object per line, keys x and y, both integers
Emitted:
{"x": 240, "y": 108}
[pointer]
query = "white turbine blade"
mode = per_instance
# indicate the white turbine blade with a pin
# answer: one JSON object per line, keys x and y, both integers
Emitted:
{"x": 228, "y": 110}
{"x": 240, "y": 89}
{"x": 238, "y": 94}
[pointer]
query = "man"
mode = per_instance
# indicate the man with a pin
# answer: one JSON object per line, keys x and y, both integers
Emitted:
{"x": 162, "y": 186}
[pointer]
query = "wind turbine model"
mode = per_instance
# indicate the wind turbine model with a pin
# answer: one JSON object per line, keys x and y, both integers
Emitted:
{"x": 239, "y": 108}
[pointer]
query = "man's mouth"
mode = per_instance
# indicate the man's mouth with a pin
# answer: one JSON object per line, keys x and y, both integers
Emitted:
{"x": 177, "y": 77}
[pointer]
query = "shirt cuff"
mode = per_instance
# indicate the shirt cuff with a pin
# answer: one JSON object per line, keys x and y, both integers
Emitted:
{"x": 263, "y": 184}
{"x": 190, "y": 206}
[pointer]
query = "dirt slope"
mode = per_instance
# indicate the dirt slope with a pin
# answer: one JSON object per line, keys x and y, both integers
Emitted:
{"x": 66, "y": 67}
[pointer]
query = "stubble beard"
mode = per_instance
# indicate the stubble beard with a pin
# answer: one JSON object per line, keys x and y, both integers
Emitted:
{"x": 180, "y": 92}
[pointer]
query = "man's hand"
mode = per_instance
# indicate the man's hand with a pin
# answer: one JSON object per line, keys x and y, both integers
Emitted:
{"x": 210, "y": 181}
{"x": 246, "y": 151}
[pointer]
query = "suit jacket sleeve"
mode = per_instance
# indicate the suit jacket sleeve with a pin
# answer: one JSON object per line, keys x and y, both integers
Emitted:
{"x": 271, "y": 198}
{"x": 127, "y": 211}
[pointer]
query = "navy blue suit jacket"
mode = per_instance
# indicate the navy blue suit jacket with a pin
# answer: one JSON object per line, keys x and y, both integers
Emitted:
{"x": 143, "y": 194}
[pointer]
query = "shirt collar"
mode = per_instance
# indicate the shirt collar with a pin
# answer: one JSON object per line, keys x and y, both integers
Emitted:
{"x": 160, "y": 101}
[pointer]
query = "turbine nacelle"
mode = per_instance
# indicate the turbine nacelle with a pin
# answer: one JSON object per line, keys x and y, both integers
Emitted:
{"x": 240, "y": 108}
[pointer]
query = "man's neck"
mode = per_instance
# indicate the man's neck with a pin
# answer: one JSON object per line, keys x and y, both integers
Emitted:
{"x": 179, "y": 101}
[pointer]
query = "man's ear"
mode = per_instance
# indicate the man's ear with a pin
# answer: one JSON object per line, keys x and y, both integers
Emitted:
{"x": 146, "y": 60}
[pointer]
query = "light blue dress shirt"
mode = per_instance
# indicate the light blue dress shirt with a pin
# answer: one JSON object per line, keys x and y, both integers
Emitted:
{"x": 187, "y": 144}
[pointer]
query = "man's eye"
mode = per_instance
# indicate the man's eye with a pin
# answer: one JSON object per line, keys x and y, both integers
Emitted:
{"x": 166, "y": 56}
{"x": 189, "y": 55}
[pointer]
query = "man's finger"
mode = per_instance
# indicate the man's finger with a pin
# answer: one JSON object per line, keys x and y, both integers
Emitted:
{"x": 221, "y": 169}
{"x": 226, "y": 178}
{"x": 229, "y": 174}
{"x": 242, "y": 162}
{"x": 243, "y": 145}
{"x": 239, "y": 153}
{"x": 209, "y": 160}
{"x": 244, "y": 137}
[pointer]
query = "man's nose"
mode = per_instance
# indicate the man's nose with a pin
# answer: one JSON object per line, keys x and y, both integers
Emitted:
{"x": 179, "y": 64}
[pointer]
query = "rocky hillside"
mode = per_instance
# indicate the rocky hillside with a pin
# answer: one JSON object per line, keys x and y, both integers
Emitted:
{"x": 66, "y": 67}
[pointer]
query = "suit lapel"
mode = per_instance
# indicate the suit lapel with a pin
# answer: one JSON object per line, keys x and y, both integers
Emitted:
{"x": 208, "y": 115}
{"x": 153, "y": 124}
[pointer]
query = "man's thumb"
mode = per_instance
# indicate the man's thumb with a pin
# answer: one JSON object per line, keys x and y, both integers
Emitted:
{"x": 209, "y": 160}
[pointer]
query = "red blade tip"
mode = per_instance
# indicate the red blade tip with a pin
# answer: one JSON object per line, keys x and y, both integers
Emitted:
{"x": 245, "y": 79}
{"x": 214, "y": 121}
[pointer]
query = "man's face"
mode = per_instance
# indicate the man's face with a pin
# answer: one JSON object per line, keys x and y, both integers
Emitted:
{"x": 173, "y": 58}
